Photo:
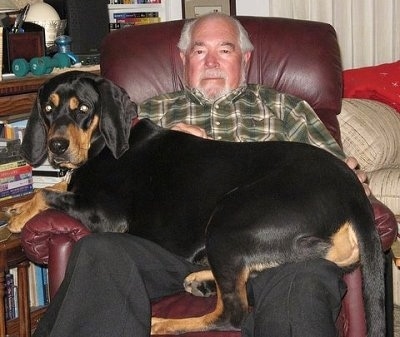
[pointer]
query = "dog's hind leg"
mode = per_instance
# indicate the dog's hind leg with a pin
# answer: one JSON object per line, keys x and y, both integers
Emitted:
{"x": 216, "y": 320}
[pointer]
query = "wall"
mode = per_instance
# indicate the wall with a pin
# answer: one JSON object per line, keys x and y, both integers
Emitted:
{"x": 368, "y": 30}
{"x": 174, "y": 9}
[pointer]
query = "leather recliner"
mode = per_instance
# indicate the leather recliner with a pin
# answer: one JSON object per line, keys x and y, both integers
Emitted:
{"x": 297, "y": 57}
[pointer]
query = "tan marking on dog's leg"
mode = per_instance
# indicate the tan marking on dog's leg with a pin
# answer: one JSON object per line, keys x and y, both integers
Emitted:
{"x": 171, "y": 326}
{"x": 344, "y": 251}
{"x": 21, "y": 212}
{"x": 166, "y": 326}
{"x": 242, "y": 289}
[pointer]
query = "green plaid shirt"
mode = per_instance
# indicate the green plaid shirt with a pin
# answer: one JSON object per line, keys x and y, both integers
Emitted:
{"x": 248, "y": 114}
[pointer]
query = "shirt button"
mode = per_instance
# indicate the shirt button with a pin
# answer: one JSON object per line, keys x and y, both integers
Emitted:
{"x": 216, "y": 106}
{"x": 217, "y": 123}
{"x": 219, "y": 137}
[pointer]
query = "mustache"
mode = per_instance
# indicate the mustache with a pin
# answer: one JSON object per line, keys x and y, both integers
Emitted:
{"x": 213, "y": 73}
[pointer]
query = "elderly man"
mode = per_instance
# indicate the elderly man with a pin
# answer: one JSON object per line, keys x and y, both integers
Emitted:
{"x": 111, "y": 278}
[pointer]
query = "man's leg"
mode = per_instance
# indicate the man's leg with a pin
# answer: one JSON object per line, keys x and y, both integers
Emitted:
{"x": 295, "y": 300}
{"x": 108, "y": 285}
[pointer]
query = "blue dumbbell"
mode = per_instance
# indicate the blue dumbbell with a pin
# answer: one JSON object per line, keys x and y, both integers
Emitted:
{"x": 40, "y": 65}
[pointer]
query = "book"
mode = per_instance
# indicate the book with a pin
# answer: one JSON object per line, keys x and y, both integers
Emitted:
{"x": 20, "y": 172}
{"x": 7, "y": 186}
{"x": 136, "y": 18}
{"x": 4, "y": 142}
{"x": 32, "y": 285}
{"x": 16, "y": 192}
{"x": 38, "y": 285}
{"x": 13, "y": 164}
{"x": 9, "y": 298}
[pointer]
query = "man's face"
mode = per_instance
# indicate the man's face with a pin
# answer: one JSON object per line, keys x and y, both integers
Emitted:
{"x": 215, "y": 64}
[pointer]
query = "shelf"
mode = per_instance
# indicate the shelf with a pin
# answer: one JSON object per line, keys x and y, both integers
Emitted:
{"x": 17, "y": 94}
{"x": 13, "y": 324}
{"x": 137, "y": 8}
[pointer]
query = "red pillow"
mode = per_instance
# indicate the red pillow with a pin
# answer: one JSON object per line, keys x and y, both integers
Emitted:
{"x": 380, "y": 83}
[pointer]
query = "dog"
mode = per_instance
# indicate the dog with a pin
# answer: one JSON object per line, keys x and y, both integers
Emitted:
{"x": 239, "y": 208}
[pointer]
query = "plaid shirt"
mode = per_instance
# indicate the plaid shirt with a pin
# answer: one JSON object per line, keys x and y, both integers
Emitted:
{"x": 248, "y": 114}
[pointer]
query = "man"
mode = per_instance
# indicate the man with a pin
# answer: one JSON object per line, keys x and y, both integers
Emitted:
{"x": 111, "y": 278}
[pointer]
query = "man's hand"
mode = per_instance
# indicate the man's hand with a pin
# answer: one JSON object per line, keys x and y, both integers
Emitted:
{"x": 362, "y": 176}
{"x": 191, "y": 129}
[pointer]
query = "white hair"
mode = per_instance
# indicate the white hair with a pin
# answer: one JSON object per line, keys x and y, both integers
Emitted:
{"x": 185, "y": 40}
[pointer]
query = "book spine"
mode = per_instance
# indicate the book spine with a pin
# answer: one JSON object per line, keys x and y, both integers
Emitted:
{"x": 16, "y": 184}
{"x": 39, "y": 285}
{"x": 16, "y": 192}
{"x": 9, "y": 297}
{"x": 13, "y": 164}
{"x": 46, "y": 290}
{"x": 17, "y": 177}
{"x": 14, "y": 172}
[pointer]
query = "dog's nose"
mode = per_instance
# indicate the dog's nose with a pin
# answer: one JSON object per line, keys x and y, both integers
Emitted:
{"x": 58, "y": 145}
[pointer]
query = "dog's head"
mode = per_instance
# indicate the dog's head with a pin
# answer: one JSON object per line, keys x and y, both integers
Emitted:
{"x": 75, "y": 115}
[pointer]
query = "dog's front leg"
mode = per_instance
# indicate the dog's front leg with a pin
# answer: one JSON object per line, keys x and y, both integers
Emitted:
{"x": 20, "y": 213}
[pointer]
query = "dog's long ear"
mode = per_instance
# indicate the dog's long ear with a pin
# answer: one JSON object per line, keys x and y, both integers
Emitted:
{"x": 33, "y": 147}
{"x": 117, "y": 112}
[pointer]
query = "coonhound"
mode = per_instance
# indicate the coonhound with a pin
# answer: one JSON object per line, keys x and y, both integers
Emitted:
{"x": 239, "y": 207}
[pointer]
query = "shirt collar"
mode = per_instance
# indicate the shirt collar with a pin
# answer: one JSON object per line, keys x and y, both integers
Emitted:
{"x": 196, "y": 96}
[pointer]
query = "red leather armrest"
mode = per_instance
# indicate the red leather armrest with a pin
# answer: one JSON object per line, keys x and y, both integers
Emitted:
{"x": 385, "y": 223}
{"x": 41, "y": 230}
{"x": 48, "y": 238}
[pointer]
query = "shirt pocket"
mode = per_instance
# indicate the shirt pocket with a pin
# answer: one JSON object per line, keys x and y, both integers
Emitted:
{"x": 259, "y": 128}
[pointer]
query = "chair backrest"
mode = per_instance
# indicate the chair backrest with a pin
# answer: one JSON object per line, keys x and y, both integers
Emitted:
{"x": 293, "y": 56}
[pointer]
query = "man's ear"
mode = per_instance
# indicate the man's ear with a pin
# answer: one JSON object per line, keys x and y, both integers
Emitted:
{"x": 246, "y": 57}
{"x": 183, "y": 57}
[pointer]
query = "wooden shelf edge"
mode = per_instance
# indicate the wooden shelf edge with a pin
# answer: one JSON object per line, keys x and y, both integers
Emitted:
{"x": 13, "y": 324}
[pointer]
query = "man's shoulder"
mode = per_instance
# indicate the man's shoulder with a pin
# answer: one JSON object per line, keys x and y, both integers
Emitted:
{"x": 270, "y": 94}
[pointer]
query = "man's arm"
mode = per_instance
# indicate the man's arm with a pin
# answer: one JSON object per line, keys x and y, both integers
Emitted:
{"x": 191, "y": 129}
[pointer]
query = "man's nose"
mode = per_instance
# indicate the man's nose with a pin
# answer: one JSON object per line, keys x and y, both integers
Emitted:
{"x": 211, "y": 60}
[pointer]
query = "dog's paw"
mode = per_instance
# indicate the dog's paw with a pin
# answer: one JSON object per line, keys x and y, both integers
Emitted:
{"x": 200, "y": 284}
{"x": 18, "y": 214}
{"x": 16, "y": 218}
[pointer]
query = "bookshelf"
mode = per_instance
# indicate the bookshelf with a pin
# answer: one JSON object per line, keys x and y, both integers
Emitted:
{"x": 11, "y": 256}
{"x": 137, "y": 13}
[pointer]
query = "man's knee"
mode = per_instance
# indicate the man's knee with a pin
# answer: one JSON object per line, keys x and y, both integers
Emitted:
{"x": 98, "y": 244}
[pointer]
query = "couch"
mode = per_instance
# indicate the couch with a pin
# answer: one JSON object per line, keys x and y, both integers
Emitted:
{"x": 298, "y": 57}
{"x": 370, "y": 126}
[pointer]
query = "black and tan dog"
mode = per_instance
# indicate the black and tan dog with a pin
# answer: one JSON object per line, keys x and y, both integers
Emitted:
{"x": 243, "y": 207}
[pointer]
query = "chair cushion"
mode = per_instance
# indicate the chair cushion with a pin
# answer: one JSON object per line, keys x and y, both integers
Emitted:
{"x": 186, "y": 305}
{"x": 370, "y": 132}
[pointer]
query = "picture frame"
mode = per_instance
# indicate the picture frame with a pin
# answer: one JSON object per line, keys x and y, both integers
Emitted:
{"x": 194, "y": 8}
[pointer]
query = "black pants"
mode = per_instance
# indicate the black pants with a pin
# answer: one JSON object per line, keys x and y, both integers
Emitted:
{"x": 111, "y": 279}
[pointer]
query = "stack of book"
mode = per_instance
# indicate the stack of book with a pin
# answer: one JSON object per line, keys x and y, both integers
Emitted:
{"x": 15, "y": 178}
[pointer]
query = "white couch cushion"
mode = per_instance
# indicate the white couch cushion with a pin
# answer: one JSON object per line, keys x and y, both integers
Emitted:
{"x": 371, "y": 133}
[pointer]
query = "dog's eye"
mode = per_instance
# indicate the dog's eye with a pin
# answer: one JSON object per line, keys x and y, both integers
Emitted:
{"x": 48, "y": 108}
{"x": 84, "y": 108}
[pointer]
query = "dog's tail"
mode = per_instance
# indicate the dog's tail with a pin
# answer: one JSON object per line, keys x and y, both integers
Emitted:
{"x": 372, "y": 266}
